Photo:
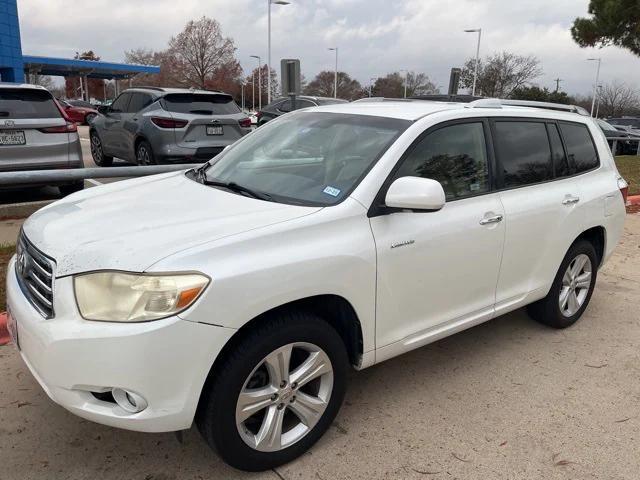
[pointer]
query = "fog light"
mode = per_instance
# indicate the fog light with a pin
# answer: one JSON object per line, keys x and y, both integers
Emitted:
{"x": 129, "y": 401}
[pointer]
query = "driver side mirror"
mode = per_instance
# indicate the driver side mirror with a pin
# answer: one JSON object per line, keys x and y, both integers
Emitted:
{"x": 415, "y": 193}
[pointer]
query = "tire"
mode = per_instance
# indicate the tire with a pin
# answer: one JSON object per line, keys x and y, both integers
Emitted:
{"x": 558, "y": 312}
{"x": 222, "y": 421}
{"x": 71, "y": 188}
{"x": 144, "y": 154}
{"x": 97, "y": 151}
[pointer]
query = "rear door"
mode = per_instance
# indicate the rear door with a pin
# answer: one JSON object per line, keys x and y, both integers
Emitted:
{"x": 541, "y": 203}
{"x": 112, "y": 138}
{"x": 213, "y": 118}
{"x": 32, "y": 131}
{"x": 131, "y": 122}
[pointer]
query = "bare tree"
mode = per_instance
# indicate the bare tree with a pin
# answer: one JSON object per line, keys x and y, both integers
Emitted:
{"x": 617, "y": 99}
{"x": 202, "y": 49}
{"x": 500, "y": 74}
{"x": 419, "y": 84}
{"x": 323, "y": 84}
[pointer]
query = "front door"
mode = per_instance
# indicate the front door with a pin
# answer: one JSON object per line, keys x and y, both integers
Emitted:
{"x": 112, "y": 137}
{"x": 439, "y": 269}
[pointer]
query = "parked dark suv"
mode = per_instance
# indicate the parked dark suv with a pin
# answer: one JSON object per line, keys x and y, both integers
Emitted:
{"x": 149, "y": 125}
{"x": 283, "y": 105}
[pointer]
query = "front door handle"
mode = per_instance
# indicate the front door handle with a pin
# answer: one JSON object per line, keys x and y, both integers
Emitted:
{"x": 492, "y": 219}
{"x": 570, "y": 200}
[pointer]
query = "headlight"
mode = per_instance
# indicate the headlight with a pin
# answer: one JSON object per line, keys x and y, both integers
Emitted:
{"x": 130, "y": 297}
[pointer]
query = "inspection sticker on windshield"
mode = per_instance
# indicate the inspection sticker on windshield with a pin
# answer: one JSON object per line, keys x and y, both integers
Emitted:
{"x": 334, "y": 192}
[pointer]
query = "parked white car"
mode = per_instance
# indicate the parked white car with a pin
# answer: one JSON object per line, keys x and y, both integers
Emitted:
{"x": 238, "y": 295}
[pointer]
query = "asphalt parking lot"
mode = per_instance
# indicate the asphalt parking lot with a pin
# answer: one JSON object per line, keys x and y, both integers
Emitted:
{"x": 509, "y": 399}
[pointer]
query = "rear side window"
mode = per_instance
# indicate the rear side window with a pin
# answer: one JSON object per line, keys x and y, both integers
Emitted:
{"x": 455, "y": 156}
{"x": 523, "y": 152}
{"x": 580, "y": 148}
{"x": 27, "y": 103}
{"x": 560, "y": 162}
{"x": 200, "y": 104}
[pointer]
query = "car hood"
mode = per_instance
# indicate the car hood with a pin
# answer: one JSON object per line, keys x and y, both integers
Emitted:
{"x": 130, "y": 225}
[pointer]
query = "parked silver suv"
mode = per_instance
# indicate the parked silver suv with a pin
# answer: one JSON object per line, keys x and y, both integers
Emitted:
{"x": 149, "y": 125}
{"x": 35, "y": 134}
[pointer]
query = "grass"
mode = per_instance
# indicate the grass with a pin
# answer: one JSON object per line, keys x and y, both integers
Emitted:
{"x": 6, "y": 251}
{"x": 629, "y": 168}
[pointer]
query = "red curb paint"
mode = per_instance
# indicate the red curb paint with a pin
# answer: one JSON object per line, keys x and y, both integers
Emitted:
{"x": 633, "y": 200}
{"x": 4, "y": 333}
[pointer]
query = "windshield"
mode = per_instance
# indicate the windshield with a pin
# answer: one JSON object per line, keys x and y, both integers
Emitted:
{"x": 308, "y": 158}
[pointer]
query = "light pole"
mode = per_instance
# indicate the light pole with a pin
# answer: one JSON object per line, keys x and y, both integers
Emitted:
{"x": 242, "y": 95}
{"x": 595, "y": 85}
{"x": 259, "y": 83}
{"x": 253, "y": 96}
{"x": 277, "y": 2}
{"x": 371, "y": 80}
{"x": 406, "y": 73}
{"x": 475, "y": 73}
{"x": 335, "y": 76}
{"x": 599, "y": 98}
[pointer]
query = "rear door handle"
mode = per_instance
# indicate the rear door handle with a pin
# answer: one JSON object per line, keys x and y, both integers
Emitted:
{"x": 570, "y": 200}
{"x": 493, "y": 219}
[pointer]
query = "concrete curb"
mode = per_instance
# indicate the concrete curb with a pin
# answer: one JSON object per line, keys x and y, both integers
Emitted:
{"x": 21, "y": 210}
{"x": 4, "y": 333}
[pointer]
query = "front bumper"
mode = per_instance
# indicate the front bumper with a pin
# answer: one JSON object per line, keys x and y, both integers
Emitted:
{"x": 165, "y": 361}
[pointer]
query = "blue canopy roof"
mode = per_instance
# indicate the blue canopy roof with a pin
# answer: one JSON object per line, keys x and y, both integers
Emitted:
{"x": 92, "y": 69}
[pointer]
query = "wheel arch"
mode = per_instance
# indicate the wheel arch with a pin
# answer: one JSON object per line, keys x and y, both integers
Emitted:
{"x": 597, "y": 236}
{"x": 334, "y": 309}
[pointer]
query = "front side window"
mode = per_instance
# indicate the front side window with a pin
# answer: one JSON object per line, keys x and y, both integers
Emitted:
{"x": 523, "y": 152}
{"x": 121, "y": 103}
{"x": 580, "y": 148}
{"x": 308, "y": 158}
{"x": 455, "y": 156}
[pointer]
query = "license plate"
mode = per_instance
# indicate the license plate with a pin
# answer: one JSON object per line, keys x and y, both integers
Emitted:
{"x": 214, "y": 130}
{"x": 12, "y": 326}
{"x": 12, "y": 137}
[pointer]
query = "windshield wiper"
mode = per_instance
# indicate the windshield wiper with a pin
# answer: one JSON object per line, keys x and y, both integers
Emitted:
{"x": 234, "y": 187}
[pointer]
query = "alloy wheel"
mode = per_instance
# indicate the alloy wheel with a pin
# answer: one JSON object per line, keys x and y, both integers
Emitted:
{"x": 143, "y": 156}
{"x": 576, "y": 283}
{"x": 96, "y": 149}
{"x": 284, "y": 397}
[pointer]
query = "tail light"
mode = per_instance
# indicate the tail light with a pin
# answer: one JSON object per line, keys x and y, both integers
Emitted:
{"x": 164, "y": 122}
{"x": 624, "y": 189}
{"x": 258, "y": 115}
{"x": 245, "y": 122}
{"x": 68, "y": 128}
{"x": 63, "y": 112}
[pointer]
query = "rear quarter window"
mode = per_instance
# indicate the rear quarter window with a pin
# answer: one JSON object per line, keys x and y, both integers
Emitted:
{"x": 27, "y": 103}
{"x": 580, "y": 147}
{"x": 200, "y": 104}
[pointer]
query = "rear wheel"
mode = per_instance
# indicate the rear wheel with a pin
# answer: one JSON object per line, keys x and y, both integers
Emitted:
{"x": 571, "y": 290}
{"x": 71, "y": 188}
{"x": 97, "y": 151}
{"x": 275, "y": 395}
{"x": 144, "y": 154}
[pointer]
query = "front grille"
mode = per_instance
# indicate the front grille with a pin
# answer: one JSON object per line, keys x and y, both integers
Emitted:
{"x": 35, "y": 272}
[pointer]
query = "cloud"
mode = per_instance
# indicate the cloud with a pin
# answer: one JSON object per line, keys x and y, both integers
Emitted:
{"x": 374, "y": 36}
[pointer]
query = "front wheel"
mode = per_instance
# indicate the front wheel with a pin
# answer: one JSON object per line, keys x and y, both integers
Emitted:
{"x": 571, "y": 290}
{"x": 276, "y": 393}
{"x": 97, "y": 151}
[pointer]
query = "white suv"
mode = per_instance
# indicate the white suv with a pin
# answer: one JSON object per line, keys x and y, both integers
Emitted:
{"x": 238, "y": 295}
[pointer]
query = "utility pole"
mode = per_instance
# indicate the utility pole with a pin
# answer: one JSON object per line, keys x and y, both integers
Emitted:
{"x": 558, "y": 80}
{"x": 595, "y": 85}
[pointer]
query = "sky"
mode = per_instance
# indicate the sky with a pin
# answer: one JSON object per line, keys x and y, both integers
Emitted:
{"x": 374, "y": 37}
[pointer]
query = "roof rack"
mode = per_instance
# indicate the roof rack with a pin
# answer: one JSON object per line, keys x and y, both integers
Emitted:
{"x": 380, "y": 99}
{"x": 485, "y": 103}
{"x": 159, "y": 89}
{"x": 561, "y": 107}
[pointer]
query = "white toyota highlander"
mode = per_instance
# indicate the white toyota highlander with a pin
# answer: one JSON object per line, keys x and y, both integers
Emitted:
{"x": 239, "y": 294}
